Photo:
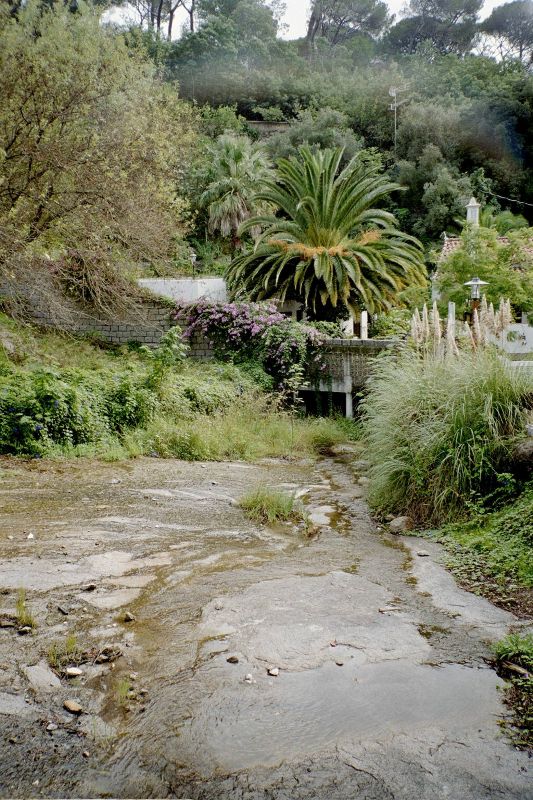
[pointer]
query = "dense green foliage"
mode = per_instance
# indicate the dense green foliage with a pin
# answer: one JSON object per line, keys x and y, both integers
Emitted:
{"x": 104, "y": 171}
{"x": 440, "y": 432}
{"x": 328, "y": 244}
{"x": 64, "y": 397}
{"x": 507, "y": 267}
{"x": 463, "y": 119}
{"x": 92, "y": 145}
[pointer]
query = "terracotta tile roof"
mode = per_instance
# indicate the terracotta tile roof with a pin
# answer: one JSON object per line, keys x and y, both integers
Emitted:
{"x": 453, "y": 243}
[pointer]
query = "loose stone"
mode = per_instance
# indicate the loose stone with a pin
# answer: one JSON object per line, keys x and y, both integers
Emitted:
{"x": 73, "y": 672}
{"x": 25, "y": 630}
{"x": 63, "y": 610}
{"x": 52, "y": 727}
{"x": 72, "y": 706}
{"x": 399, "y": 524}
{"x": 129, "y": 617}
{"x": 274, "y": 672}
{"x": 248, "y": 678}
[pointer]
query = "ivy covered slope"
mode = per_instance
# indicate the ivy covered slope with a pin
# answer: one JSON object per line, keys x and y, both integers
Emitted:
{"x": 65, "y": 397}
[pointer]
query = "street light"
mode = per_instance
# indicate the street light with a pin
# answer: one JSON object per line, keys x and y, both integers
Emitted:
{"x": 475, "y": 285}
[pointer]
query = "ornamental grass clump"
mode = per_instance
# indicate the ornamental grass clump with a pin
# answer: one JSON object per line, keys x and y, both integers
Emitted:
{"x": 440, "y": 432}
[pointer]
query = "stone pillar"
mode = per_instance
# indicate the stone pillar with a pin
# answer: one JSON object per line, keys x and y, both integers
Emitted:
{"x": 451, "y": 320}
{"x": 348, "y": 384}
{"x": 347, "y": 326}
{"x": 364, "y": 324}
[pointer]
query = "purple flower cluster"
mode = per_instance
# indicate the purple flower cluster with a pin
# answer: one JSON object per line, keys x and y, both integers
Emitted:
{"x": 255, "y": 331}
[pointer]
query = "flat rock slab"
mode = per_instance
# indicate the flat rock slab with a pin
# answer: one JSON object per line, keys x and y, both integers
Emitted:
{"x": 289, "y": 622}
{"x": 446, "y": 595}
{"x": 14, "y": 705}
{"x": 108, "y": 601}
{"x": 43, "y": 574}
{"x": 41, "y": 678}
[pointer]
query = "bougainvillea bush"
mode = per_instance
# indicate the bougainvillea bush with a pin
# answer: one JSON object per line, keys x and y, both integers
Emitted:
{"x": 257, "y": 332}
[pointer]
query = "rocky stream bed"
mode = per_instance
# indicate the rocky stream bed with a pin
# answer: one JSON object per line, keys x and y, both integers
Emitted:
{"x": 203, "y": 656}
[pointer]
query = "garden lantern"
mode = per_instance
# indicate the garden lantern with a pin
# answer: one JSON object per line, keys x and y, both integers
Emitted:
{"x": 475, "y": 285}
{"x": 475, "y": 288}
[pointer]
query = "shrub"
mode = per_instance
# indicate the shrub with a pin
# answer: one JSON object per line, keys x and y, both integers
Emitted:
{"x": 491, "y": 553}
{"x": 257, "y": 332}
{"x": 440, "y": 433}
{"x": 44, "y": 406}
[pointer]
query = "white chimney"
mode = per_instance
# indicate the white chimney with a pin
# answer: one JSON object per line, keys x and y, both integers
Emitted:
{"x": 472, "y": 212}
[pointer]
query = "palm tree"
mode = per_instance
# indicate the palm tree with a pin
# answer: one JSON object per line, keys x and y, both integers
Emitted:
{"x": 328, "y": 244}
{"x": 237, "y": 167}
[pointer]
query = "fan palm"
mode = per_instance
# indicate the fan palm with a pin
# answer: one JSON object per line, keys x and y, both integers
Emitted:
{"x": 237, "y": 166}
{"x": 328, "y": 244}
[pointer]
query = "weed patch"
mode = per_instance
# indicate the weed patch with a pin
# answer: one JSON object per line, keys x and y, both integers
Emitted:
{"x": 514, "y": 662}
{"x": 491, "y": 554}
{"x": 440, "y": 433}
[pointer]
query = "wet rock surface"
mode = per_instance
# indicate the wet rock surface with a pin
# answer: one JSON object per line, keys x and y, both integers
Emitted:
{"x": 212, "y": 658}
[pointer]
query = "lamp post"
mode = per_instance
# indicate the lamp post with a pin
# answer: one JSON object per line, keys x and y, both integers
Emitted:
{"x": 475, "y": 285}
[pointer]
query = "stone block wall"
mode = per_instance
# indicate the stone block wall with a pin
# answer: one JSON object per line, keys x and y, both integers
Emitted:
{"x": 146, "y": 326}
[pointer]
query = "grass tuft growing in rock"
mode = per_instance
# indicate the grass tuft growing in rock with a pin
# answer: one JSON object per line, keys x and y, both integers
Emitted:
{"x": 269, "y": 506}
{"x": 25, "y": 618}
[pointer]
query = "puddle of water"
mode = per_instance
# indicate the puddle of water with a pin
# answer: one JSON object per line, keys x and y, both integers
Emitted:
{"x": 280, "y": 719}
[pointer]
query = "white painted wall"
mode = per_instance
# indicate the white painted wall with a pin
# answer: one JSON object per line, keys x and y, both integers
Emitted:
{"x": 520, "y": 342}
{"x": 187, "y": 290}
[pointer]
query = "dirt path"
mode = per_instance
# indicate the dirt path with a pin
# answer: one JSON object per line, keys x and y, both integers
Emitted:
{"x": 383, "y": 689}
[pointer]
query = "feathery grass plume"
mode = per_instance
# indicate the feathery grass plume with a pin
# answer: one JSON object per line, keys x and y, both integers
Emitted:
{"x": 504, "y": 316}
{"x": 451, "y": 348}
{"x": 426, "y": 333}
{"x": 508, "y": 312}
{"x": 416, "y": 328}
{"x": 492, "y": 319}
{"x": 470, "y": 336}
{"x": 436, "y": 327}
{"x": 476, "y": 329}
{"x": 483, "y": 311}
